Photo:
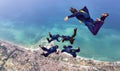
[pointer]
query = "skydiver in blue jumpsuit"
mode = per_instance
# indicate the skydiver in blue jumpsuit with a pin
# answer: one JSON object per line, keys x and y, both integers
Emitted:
{"x": 70, "y": 50}
{"x": 84, "y": 16}
{"x": 53, "y": 37}
{"x": 69, "y": 38}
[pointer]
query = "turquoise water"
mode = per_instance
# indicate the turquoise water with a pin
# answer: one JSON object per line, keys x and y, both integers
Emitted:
{"x": 27, "y": 22}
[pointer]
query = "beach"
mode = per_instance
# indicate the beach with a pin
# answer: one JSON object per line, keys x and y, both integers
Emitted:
{"x": 18, "y": 58}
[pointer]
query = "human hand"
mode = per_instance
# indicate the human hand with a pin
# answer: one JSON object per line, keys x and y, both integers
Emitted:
{"x": 58, "y": 51}
{"x": 66, "y": 18}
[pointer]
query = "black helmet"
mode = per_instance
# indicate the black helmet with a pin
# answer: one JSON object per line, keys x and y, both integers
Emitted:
{"x": 73, "y": 10}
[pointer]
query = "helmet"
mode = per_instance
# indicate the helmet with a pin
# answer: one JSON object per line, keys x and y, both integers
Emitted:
{"x": 73, "y": 10}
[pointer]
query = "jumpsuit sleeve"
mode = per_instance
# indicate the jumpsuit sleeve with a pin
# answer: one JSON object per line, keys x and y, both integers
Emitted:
{"x": 73, "y": 15}
{"x": 58, "y": 40}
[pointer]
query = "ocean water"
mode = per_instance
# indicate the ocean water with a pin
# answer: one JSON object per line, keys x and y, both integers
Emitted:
{"x": 28, "y": 22}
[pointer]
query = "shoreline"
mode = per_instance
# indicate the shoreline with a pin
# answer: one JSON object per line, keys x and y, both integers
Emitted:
{"x": 12, "y": 54}
{"x": 32, "y": 48}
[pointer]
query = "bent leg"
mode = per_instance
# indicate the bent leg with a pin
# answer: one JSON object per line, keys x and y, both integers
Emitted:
{"x": 46, "y": 54}
{"x": 74, "y": 54}
{"x": 77, "y": 50}
{"x": 72, "y": 40}
{"x": 48, "y": 40}
{"x": 90, "y": 27}
{"x": 94, "y": 28}
{"x": 97, "y": 26}
{"x": 63, "y": 51}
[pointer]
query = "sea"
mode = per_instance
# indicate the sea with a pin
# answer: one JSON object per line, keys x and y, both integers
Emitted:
{"x": 28, "y": 22}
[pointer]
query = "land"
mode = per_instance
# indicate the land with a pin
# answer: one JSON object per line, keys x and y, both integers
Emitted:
{"x": 19, "y": 58}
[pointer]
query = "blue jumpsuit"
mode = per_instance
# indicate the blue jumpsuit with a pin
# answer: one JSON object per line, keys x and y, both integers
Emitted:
{"x": 50, "y": 50}
{"x": 71, "y": 51}
{"x": 92, "y": 25}
{"x": 53, "y": 37}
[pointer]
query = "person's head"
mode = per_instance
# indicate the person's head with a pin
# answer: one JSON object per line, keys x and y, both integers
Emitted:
{"x": 73, "y": 10}
{"x": 104, "y": 15}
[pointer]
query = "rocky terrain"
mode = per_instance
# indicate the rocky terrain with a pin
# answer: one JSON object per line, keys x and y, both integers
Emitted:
{"x": 17, "y": 58}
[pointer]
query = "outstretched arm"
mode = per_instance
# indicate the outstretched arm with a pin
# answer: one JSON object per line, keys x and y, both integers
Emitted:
{"x": 75, "y": 31}
{"x": 44, "y": 48}
{"x": 50, "y": 34}
{"x": 73, "y": 15}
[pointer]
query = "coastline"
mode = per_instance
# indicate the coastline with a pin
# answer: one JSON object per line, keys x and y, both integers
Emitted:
{"x": 12, "y": 54}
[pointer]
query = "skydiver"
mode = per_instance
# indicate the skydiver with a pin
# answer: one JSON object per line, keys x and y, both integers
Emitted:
{"x": 53, "y": 37}
{"x": 49, "y": 50}
{"x": 69, "y": 38}
{"x": 84, "y": 16}
{"x": 70, "y": 50}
